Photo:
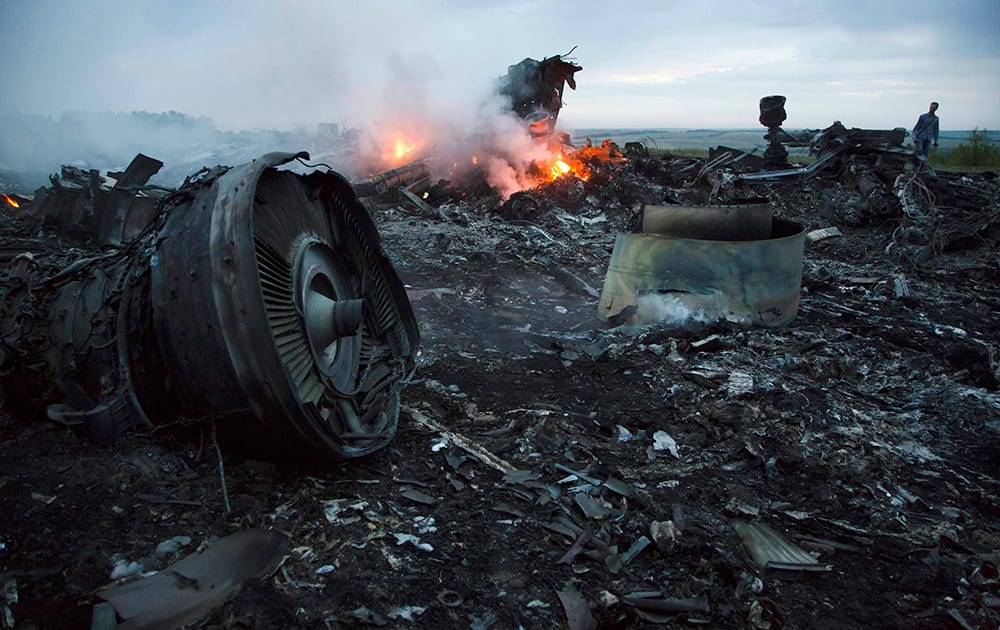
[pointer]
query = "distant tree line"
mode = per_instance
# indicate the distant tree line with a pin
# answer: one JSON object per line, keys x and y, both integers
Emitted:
{"x": 977, "y": 153}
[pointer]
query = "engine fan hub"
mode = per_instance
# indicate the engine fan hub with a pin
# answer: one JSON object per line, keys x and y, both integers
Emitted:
{"x": 332, "y": 312}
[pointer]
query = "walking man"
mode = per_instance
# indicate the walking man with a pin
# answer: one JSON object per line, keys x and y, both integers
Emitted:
{"x": 926, "y": 131}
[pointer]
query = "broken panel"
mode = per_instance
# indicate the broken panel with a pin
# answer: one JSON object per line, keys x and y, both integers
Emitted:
{"x": 651, "y": 277}
{"x": 536, "y": 88}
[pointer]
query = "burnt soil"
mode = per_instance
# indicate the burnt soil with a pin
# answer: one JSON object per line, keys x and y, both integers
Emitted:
{"x": 866, "y": 432}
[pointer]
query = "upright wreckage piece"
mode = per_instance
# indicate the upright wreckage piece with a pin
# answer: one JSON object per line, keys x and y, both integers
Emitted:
{"x": 254, "y": 292}
{"x": 535, "y": 89}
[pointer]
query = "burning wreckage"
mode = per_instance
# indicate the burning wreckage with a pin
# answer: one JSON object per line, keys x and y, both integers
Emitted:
{"x": 535, "y": 89}
{"x": 726, "y": 467}
{"x": 247, "y": 292}
{"x": 255, "y": 292}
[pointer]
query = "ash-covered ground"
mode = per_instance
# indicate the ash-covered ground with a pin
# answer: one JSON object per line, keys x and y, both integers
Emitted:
{"x": 539, "y": 450}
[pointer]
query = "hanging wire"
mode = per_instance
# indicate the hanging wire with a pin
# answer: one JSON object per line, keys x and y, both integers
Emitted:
{"x": 316, "y": 165}
{"x": 222, "y": 469}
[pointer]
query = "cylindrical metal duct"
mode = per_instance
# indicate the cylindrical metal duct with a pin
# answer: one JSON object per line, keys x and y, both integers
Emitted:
{"x": 742, "y": 222}
{"x": 755, "y": 282}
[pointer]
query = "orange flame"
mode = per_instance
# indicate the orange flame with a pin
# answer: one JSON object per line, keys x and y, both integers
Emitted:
{"x": 11, "y": 202}
{"x": 402, "y": 148}
{"x": 559, "y": 168}
{"x": 568, "y": 166}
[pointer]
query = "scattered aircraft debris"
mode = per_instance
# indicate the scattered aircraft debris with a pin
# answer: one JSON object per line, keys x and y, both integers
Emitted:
{"x": 554, "y": 471}
{"x": 825, "y": 146}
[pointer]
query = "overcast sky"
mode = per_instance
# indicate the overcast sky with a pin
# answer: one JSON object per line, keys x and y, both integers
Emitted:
{"x": 667, "y": 63}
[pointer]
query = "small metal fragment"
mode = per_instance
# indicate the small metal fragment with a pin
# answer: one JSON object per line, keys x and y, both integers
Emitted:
{"x": 900, "y": 288}
{"x": 451, "y": 599}
{"x": 591, "y": 480}
{"x": 418, "y": 497}
{"x": 641, "y": 600}
{"x": 591, "y": 507}
{"x": 563, "y": 527}
{"x": 662, "y": 441}
{"x": 634, "y": 550}
{"x": 578, "y": 544}
{"x": 823, "y": 233}
{"x": 520, "y": 476}
{"x": 619, "y": 487}
{"x": 770, "y": 551}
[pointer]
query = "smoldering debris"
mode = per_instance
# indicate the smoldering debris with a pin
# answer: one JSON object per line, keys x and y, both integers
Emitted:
{"x": 653, "y": 474}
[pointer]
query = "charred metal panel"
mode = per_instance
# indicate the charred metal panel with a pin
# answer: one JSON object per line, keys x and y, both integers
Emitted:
{"x": 115, "y": 224}
{"x": 754, "y": 281}
{"x": 536, "y": 89}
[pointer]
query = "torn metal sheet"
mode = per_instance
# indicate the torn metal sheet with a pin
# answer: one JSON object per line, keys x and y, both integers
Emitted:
{"x": 820, "y": 163}
{"x": 656, "y": 602}
{"x": 535, "y": 89}
{"x": 127, "y": 214}
{"x": 108, "y": 209}
{"x": 735, "y": 159}
{"x": 578, "y": 615}
{"x": 770, "y": 551}
{"x": 655, "y": 277}
{"x": 190, "y": 588}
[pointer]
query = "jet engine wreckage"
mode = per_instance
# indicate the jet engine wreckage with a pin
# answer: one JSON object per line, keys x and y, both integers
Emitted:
{"x": 251, "y": 295}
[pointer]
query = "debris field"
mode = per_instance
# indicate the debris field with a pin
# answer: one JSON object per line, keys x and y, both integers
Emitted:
{"x": 553, "y": 470}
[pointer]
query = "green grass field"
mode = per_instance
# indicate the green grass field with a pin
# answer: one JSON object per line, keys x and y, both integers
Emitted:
{"x": 975, "y": 150}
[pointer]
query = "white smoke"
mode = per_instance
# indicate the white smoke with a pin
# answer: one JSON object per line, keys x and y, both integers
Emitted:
{"x": 511, "y": 151}
{"x": 275, "y": 69}
{"x": 478, "y": 131}
{"x": 680, "y": 308}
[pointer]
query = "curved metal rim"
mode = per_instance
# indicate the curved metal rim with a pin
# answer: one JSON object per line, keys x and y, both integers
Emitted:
{"x": 242, "y": 317}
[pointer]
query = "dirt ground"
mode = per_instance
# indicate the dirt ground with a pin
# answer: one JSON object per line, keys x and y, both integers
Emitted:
{"x": 539, "y": 450}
